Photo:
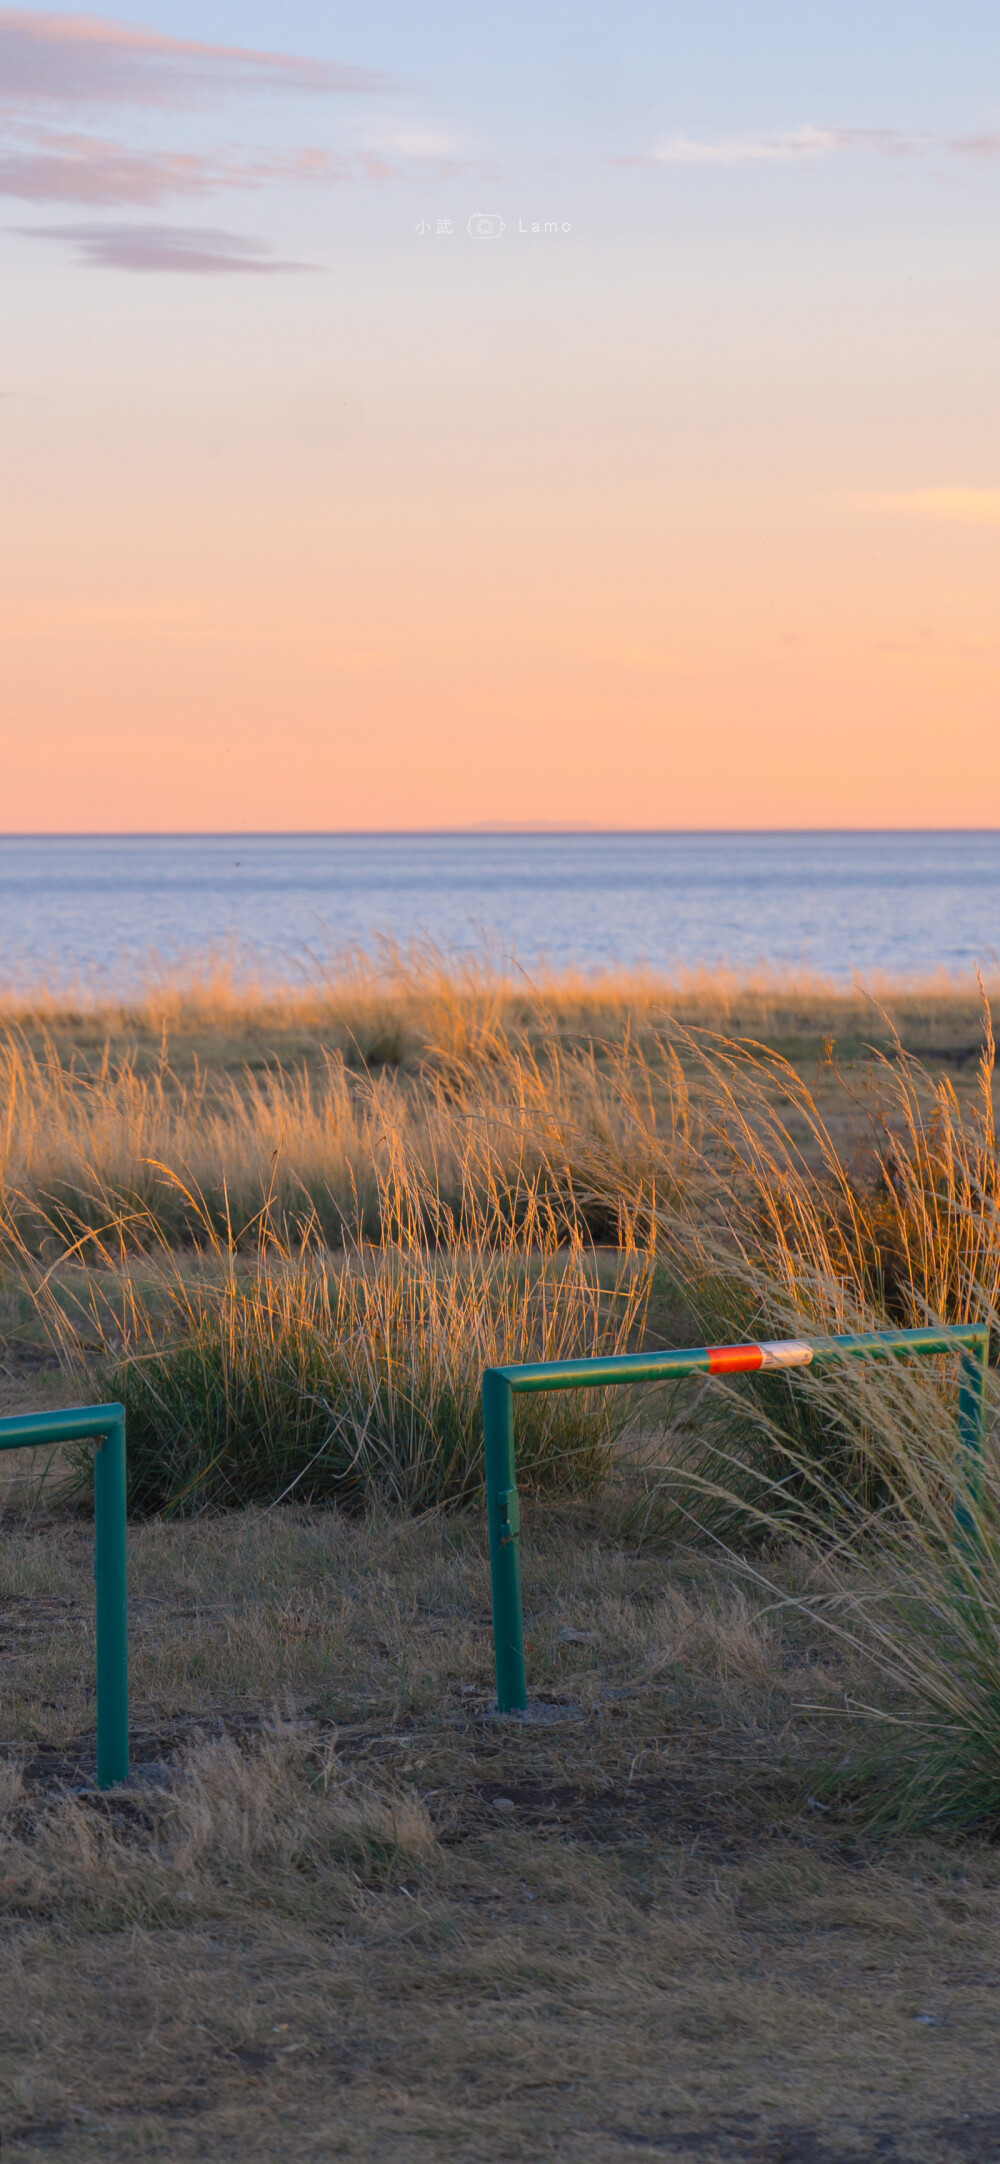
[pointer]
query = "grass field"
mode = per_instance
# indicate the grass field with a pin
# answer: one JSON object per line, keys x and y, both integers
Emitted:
{"x": 703, "y": 1909}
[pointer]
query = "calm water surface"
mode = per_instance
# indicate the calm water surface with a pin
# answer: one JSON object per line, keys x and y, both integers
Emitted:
{"x": 93, "y": 910}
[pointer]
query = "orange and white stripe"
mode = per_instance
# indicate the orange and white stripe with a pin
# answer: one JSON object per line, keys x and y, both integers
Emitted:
{"x": 788, "y": 1352}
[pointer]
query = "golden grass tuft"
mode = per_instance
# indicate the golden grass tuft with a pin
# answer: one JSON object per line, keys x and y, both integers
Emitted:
{"x": 353, "y": 1377}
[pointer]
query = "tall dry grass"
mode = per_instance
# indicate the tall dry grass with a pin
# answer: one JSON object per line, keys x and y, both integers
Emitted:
{"x": 250, "y": 1090}
{"x": 312, "y": 1142}
{"x": 361, "y": 1245}
{"x": 390, "y": 1004}
{"x": 770, "y": 1217}
{"x": 286, "y": 1371}
{"x": 775, "y": 1232}
{"x": 905, "y": 1233}
{"x": 475, "y": 1176}
{"x": 76, "y": 1144}
{"x": 910, "y": 1585}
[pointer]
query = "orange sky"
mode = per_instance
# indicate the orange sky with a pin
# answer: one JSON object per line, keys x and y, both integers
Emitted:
{"x": 692, "y": 521}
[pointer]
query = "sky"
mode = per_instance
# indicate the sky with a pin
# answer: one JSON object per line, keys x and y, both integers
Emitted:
{"x": 434, "y": 415}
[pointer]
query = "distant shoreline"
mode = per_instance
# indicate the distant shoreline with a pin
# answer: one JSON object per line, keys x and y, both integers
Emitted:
{"x": 530, "y": 829}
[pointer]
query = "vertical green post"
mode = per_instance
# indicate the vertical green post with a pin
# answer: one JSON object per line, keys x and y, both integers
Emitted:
{"x": 971, "y": 1446}
{"x": 112, "y": 1601}
{"x": 504, "y": 1517}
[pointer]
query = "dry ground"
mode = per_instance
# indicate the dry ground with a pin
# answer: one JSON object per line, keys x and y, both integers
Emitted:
{"x": 344, "y": 1913}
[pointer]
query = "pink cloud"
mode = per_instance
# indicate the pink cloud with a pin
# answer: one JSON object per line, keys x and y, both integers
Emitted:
{"x": 48, "y": 61}
{"x": 977, "y": 146}
{"x": 89, "y": 169}
{"x": 78, "y": 59}
{"x": 166, "y": 248}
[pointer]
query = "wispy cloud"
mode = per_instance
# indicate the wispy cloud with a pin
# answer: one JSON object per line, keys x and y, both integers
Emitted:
{"x": 48, "y": 60}
{"x": 52, "y": 66}
{"x": 976, "y": 146}
{"x": 424, "y": 145}
{"x": 954, "y": 506}
{"x": 794, "y": 143}
{"x": 166, "y": 248}
{"x": 808, "y": 142}
{"x": 64, "y": 168}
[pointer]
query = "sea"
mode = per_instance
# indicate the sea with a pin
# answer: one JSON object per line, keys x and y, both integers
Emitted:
{"x": 100, "y": 913}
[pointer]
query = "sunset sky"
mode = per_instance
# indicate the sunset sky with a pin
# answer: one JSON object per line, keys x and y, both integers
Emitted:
{"x": 320, "y": 510}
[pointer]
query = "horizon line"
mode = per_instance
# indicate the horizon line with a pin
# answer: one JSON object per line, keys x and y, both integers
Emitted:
{"x": 508, "y": 829}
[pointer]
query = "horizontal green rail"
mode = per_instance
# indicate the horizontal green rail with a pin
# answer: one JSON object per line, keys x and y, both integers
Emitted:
{"x": 501, "y": 1385}
{"x": 106, "y": 1423}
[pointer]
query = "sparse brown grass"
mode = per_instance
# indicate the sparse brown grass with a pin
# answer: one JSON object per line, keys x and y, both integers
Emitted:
{"x": 362, "y": 1920}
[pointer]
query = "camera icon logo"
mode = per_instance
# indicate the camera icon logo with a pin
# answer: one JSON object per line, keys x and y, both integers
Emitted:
{"x": 485, "y": 225}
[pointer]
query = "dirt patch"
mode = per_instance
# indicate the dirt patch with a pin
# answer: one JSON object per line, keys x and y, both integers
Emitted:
{"x": 625, "y": 1932}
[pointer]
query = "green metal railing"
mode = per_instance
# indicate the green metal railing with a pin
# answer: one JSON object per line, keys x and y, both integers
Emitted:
{"x": 502, "y": 1385}
{"x": 106, "y": 1423}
